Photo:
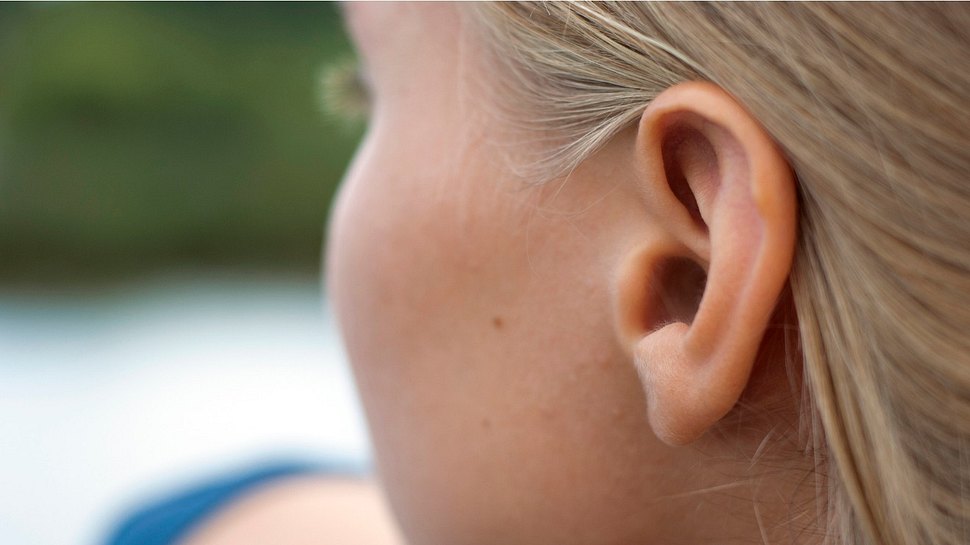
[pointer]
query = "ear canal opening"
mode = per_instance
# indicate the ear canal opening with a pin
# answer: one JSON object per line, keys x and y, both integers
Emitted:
{"x": 677, "y": 289}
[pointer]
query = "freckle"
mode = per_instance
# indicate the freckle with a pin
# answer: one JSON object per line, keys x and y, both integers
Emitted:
{"x": 486, "y": 423}
{"x": 497, "y": 322}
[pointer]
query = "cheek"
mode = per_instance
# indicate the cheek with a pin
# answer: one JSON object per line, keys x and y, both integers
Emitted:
{"x": 405, "y": 243}
{"x": 422, "y": 280}
{"x": 413, "y": 265}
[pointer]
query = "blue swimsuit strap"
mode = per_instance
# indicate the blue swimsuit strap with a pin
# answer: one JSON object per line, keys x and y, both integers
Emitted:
{"x": 165, "y": 521}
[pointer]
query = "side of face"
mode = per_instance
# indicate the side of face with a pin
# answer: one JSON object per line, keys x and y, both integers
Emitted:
{"x": 479, "y": 314}
{"x": 474, "y": 312}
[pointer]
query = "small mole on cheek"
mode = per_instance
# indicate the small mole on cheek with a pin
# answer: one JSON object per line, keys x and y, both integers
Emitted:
{"x": 486, "y": 424}
{"x": 497, "y": 322}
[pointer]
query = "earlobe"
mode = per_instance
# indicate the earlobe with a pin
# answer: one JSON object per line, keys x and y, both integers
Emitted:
{"x": 695, "y": 297}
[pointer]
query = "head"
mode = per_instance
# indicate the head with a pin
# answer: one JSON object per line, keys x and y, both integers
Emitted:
{"x": 624, "y": 273}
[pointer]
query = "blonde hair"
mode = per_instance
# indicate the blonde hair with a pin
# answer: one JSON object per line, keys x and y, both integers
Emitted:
{"x": 869, "y": 102}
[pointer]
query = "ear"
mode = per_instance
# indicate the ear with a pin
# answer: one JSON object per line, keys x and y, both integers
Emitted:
{"x": 694, "y": 298}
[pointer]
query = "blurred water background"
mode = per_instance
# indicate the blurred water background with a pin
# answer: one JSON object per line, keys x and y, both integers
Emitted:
{"x": 165, "y": 175}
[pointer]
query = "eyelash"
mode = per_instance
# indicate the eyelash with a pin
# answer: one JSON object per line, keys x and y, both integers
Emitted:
{"x": 344, "y": 93}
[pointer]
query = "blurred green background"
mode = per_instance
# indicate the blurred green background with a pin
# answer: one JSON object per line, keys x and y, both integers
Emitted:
{"x": 143, "y": 137}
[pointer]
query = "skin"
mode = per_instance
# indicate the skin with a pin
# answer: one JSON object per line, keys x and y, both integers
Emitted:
{"x": 481, "y": 314}
{"x": 302, "y": 511}
{"x": 522, "y": 380}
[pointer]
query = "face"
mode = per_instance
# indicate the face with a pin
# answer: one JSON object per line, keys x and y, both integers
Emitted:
{"x": 477, "y": 311}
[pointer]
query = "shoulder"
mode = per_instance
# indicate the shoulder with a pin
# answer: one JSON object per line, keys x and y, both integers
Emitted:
{"x": 303, "y": 510}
